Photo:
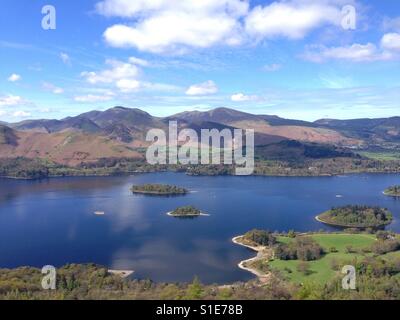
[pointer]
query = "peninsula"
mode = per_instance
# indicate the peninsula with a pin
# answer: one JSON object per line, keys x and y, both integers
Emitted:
{"x": 318, "y": 258}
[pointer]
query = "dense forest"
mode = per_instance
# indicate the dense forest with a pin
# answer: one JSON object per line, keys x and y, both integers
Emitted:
{"x": 260, "y": 237}
{"x": 302, "y": 248}
{"x": 188, "y": 211}
{"x": 25, "y": 168}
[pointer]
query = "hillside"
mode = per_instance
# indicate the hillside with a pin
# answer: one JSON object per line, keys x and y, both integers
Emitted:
{"x": 295, "y": 151}
{"x": 269, "y": 125}
{"x": 7, "y": 136}
{"x": 371, "y": 130}
{"x": 68, "y": 148}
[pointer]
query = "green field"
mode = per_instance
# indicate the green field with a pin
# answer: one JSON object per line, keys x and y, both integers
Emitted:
{"x": 321, "y": 270}
{"x": 381, "y": 156}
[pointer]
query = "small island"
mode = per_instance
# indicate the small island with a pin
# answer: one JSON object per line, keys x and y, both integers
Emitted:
{"x": 354, "y": 216}
{"x": 186, "y": 212}
{"x": 393, "y": 191}
{"x": 159, "y": 190}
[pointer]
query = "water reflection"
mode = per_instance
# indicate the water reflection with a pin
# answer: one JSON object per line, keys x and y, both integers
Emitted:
{"x": 53, "y": 221}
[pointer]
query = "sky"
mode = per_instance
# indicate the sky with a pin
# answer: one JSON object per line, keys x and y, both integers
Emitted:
{"x": 298, "y": 59}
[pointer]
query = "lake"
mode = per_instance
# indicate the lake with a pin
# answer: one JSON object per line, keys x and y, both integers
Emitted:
{"x": 52, "y": 222}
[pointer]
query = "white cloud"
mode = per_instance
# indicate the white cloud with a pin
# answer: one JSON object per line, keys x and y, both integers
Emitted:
{"x": 125, "y": 76}
{"x": 65, "y": 58}
{"x": 52, "y": 88}
{"x": 21, "y": 114}
{"x": 292, "y": 19}
{"x": 240, "y": 97}
{"x": 355, "y": 52}
{"x": 391, "y": 41}
{"x": 14, "y": 77}
{"x": 92, "y": 98}
{"x": 272, "y": 67}
{"x": 172, "y": 26}
{"x": 118, "y": 70}
{"x": 127, "y": 85}
{"x": 202, "y": 89}
{"x": 10, "y": 100}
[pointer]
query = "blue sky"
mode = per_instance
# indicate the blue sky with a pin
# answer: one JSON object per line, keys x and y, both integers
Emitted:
{"x": 292, "y": 58}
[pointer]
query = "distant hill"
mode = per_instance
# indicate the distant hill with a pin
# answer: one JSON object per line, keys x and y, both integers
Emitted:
{"x": 219, "y": 115}
{"x": 118, "y": 123}
{"x": 269, "y": 125}
{"x": 372, "y": 130}
{"x": 120, "y": 132}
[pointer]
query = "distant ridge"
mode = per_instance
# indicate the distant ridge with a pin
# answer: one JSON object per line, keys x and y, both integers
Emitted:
{"x": 120, "y": 132}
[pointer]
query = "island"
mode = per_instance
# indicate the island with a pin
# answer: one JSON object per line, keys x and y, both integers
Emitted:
{"x": 186, "y": 212}
{"x": 159, "y": 190}
{"x": 393, "y": 191}
{"x": 356, "y": 216}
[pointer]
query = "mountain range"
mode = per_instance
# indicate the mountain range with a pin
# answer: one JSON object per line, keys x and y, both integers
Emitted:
{"x": 120, "y": 132}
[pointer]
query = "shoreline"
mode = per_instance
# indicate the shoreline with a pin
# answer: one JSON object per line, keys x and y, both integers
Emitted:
{"x": 128, "y": 173}
{"x": 342, "y": 226}
{"x": 262, "y": 277}
{"x": 154, "y": 193}
{"x": 187, "y": 215}
{"x": 122, "y": 273}
{"x": 391, "y": 195}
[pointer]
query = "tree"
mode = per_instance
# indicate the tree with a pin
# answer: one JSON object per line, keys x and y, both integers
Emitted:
{"x": 195, "y": 290}
{"x": 304, "y": 268}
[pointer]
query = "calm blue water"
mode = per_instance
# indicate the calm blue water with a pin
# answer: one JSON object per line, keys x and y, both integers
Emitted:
{"x": 53, "y": 222}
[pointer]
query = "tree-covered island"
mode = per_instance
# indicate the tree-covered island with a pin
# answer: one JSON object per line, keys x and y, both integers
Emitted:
{"x": 159, "y": 189}
{"x": 188, "y": 211}
{"x": 356, "y": 216}
{"x": 393, "y": 191}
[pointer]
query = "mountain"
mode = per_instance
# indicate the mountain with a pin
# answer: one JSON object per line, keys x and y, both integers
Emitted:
{"x": 372, "y": 130}
{"x": 269, "y": 126}
{"x": 219, "y": 115}
{"x": 114, "y": 133}
{"x": 120, "y": 133}
{"x": 226, "y": 115}
{"x": 122, "y": 124}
